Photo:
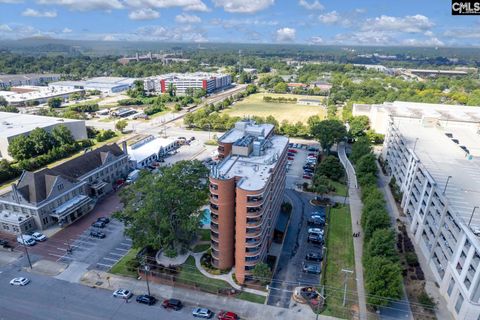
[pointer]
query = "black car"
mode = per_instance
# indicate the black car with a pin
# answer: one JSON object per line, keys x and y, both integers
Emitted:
{"x": 308, "y": 170}
{"x": 146, "y": 299}
{"x": 317, "y": 221}
{"x": 97, "y": 234}
{"x": 103, "y": 219}
{"x": 98, "y": 224}
{"x": 314, "y": 256}
{"x": 174, "y": 304}
{"x": 315, "y": 239}
{"x": 311, "y": 268}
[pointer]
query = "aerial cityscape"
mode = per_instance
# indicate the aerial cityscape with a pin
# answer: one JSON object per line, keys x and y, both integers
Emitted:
{"x": 239, "y": 159}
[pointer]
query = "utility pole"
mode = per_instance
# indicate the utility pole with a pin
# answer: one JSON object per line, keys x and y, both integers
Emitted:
{"x": 26, "y": 250}
{"x": 147, "y": 269}
{"x": 346, "y": 272}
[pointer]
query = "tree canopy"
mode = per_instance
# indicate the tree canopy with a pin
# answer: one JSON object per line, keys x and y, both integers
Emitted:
{"x": 55, "y": 102}
{"x": 384, "y": 280}
{"x": 328, "y": 132}
{"x": 358, "y": 126}
{"x": 162, "y": 210}
{"x": 331, "y": 168}
{"x": 121, "y": 125}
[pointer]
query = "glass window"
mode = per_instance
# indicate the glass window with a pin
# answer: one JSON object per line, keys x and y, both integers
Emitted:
{"x": 459, "y": 303}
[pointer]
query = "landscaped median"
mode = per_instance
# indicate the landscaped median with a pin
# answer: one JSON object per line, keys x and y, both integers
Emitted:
{"x": 339, "y": 255}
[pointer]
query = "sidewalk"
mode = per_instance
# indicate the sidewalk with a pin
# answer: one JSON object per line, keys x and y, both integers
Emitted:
{"x": 245, "y": 309}
{"x": 441, "y": 310}
{"x": 356, "y": 213}
{"x": 225, "y": 277}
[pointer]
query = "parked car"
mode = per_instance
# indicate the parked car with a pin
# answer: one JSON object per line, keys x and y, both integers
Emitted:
{"x": 146, "y": 299}
{"x": 292, "y": 150}
{"x": 307, "y": 177}
{"x": 122, "y": 293}
{"x": 318, "y": 213}
{"x": 316, "y": 222}
{"x": 20, "y": 281}
{"x": 314, "y": 256}
{"x": 318, "y": 241}
{"x": 174, "y": 304}
{"x": 313, "y": 149}
{"x": 312, "y": 154}
{"x": 306, "y": 173}
{"x": 309, "y": 170}
{"x": 97, "y": 234}
{"x": 227, "y": 315}
{"x": 290, "y": 158}
{"x": 202, "y": 313}
{"x": 98, "y": 224}
{"x": 291, "y": 154}
{"x": 3, "y": 243}
{"x": 39, "y": 236}
{"x": 103, "y": 219}
{"x": 315, "y": 231}
{"x": 26, "y": 240}
{"x": 311, "y": 268}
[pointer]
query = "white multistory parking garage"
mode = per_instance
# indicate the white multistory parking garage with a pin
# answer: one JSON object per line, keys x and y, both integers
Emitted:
{"x": 433, "y": 152}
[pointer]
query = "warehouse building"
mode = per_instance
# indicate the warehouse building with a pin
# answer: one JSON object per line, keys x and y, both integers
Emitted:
{"x": 210, "y": 82}
{"x": 15, "y": 124}
{"x": 144, "y": 150}
{"x": 34, "y": 95}
{"x": 106, "y": 85}
{"x": 30, "y": 79}
{"x": 433, "y": 154}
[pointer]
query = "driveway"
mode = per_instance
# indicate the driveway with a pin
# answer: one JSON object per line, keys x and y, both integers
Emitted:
{"x": 288, "y": 274}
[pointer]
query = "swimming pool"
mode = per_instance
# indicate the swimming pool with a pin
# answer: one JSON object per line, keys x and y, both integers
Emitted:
{"x": 205, "y": 221}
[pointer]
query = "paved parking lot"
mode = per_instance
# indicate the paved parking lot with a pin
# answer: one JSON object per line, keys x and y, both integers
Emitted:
{"x": 294, "y": 176}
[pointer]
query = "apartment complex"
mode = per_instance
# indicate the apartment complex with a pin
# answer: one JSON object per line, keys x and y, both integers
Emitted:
{"x": 14, "y": 124}
{"x": 433, "y": 152}
{"x": 183, "y": 81}
{"x": 30, "y": 79}
{"x": 246, "y": 192}
{"x": 61, "y": 195}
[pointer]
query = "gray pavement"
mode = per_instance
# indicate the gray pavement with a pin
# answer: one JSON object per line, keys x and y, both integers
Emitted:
{"x": 356, "y": 213}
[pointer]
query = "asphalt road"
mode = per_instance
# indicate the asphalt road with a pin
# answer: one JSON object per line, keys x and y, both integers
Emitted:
{"x": 47, "y": 298}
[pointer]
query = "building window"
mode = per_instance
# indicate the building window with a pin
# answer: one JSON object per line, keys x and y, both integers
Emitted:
{"x": 459, "y": 303}
{"x": 450, "y": 286}
{"x": 60, "y": 186}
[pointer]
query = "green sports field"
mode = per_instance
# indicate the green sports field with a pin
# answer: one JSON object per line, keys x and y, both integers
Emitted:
{"x": 254, "y": 105}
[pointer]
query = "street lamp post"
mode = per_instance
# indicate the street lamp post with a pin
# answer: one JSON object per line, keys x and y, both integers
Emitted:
{"x": 147, "y": 269}
{"x": 471, "y": 217}
{"x": 446, "y": 184}
{"x": 415, "y": 144}
{"x": 26, "y": 250}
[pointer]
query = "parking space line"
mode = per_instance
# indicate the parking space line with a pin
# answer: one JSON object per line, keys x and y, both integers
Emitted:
{"x": 105, "y": 265}
{"x": 120, "y": 249}
{"x": 116, "y": 254}
{"x": 114, "y": 260}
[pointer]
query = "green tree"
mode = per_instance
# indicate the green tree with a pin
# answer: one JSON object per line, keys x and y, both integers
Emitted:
{"x": 121, "y": 125}
{"x": 55, "y": 102}
{"x": 251, "y": 89}
{"x": 328, "y": 132}
{"x": 262, "y": 273}
{"x": 138, "y": 90}
{"x": 172, "y": 90}
{"x": 42, "y": 141}
{"x": 166, "y": 220}
{"x": 359, "y": 149}
{"x": 3, "y": 101}
{"x": 62, "y": 135}
{"x": 358, "y": 126}
{"x": 382, "y": 244}
{"x": 11, "y": 109}
{"x": 21, "y": 147}
{"x": 280, "y": 87}
{"x": 366, "y": 164}
{"x": 375, "y": 220}
{"x": 383, "y": 281}
{"x": 331, "y": 168}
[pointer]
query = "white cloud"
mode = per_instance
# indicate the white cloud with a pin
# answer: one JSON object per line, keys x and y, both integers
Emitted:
{"x": 364, "y": 38}
{"x": 11, "y": 1}
{"x": 39, "y": 14}
{"x": 144, "y": 14}
{"x": 5, "y": 28}
{"x": 67, "y": 30}
{"x": 235, "y": 23}
{"x": 410, "y": 24}
{"x": 243, "y": 6}
{"x": 187, "y": 18}
{"x": 20, "y": 31}
{"x": 329, "y": 18}
{"x": 85, "y": 5}
{"x": 187, "y": 5}
{"x": 431, "y": 42}
{"x": 315, "y": 5}
{"x": 286, "y": 34}
{"x": 316, "y": 40}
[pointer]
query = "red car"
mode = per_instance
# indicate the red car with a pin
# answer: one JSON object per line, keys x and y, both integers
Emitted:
{"x": 307, "y": 177}
{"x": 290, "y": 158}
{"x": 292, "y": 150}
{"x": 227, "y": 315}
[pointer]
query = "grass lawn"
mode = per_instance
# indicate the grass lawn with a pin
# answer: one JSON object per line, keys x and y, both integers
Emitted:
{"x": 191, "y": 275}
{"x": 120, "y": 267}
{"x": 340, "y": 188}
{"x": 204, "y": 234}
{"x": 201, "y": 247}
{"x": 254, "y": 105}
{"x": 247, "y": 296}
{"x": 339, "y": 255}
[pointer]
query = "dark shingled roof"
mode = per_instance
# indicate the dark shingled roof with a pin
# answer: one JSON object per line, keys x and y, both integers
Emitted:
{"x": 36, "y": 186}
{"x": 89, "y": 161}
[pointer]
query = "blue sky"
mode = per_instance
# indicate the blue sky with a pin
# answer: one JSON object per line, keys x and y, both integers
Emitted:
{"x": 342, "y": 22}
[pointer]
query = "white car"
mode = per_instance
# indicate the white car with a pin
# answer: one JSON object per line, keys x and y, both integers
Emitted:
{"x": 315, "y": 230}
{"x": 122, "y": 293}
{"x": 20, "y": 281}
{"x": 202, "y": 313}
{"x": 26, "y": 240}
{"x": 39, "y": 236}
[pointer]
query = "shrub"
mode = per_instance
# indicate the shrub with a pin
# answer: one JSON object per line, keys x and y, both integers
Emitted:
{"x": 85, "y": 107}
{"x": 383, "y": 281}
{"x": 130, "y": 102}
{"x": 104, "y": 135}
{"x": 426, "y": 300}
{"x": 132, "y": 265}
{"x": 411, "y": 258}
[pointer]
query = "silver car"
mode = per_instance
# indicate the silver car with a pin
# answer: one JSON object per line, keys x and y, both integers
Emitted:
{"x": 202, "y": 313}
{"x": 122, "y": 293}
